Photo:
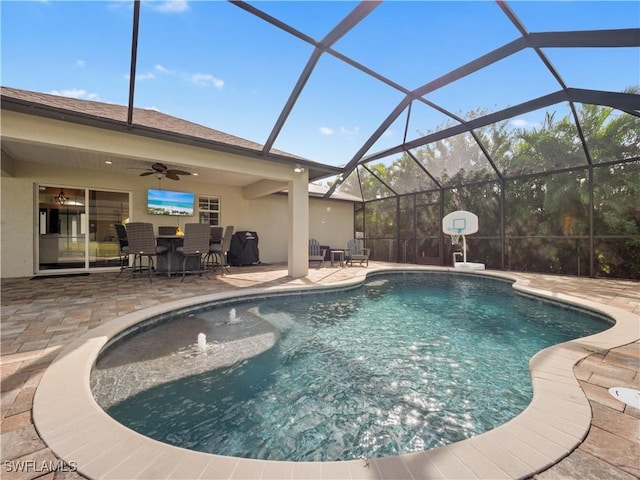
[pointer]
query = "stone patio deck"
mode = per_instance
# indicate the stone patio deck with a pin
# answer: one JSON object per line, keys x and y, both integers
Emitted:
{"x": 39, "y": 317}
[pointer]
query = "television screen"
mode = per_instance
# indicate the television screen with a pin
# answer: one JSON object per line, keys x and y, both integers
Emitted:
{"x": 166, "y": 202}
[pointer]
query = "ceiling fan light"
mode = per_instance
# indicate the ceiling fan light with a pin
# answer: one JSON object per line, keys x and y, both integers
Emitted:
{"x": 61, "y": 198}
{"x": 160, "y": 171}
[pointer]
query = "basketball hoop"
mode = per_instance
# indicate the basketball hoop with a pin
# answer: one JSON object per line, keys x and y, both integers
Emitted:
{"x": 460, "y": 224}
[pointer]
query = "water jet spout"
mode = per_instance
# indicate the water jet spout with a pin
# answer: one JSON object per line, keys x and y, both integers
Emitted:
{"x": 233, "y": 317}
{"x": 202, "y": 342}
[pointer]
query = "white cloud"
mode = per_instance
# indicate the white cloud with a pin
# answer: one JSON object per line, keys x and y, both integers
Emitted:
{"x": 161, "y": 69}
{"x": 341, "y": 131}
{"x": 145, "y": 76}
{"x": 141, "y": 76}
{"x": 80, "y": 63}
{"x": 200, "y": 79}
{"x": 79, "y": 93}
{"x": 120, "y": 4}
{"x": 522, "y": 123}
{"x": 169, "y": 6}
{"x": 206, "y": 80}
{"x": 353, "y": 131}
{"x": 326, "y": 131}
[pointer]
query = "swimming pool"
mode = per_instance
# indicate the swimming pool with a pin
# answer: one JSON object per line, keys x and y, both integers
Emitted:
{"x": 406, "y": 362}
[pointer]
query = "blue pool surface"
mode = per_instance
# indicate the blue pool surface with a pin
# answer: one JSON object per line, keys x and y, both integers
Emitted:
{"x": 407, "y": 362}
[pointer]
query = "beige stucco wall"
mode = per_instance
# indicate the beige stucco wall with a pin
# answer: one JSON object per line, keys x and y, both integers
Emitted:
{"x": 331, "y": 222}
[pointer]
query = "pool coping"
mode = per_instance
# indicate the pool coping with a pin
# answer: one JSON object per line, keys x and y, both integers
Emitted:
{"x": 556, "y": 421}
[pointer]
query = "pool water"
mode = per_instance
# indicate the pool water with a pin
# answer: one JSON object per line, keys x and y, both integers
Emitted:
{"x": 405, "y": 363}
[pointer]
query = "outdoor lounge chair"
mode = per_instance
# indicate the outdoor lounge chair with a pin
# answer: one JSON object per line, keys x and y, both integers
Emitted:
{"x": 316, "y": 254}
{"x": 356, "y": 253}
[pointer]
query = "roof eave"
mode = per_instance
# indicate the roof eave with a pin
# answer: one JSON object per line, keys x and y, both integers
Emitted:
{"x": 316, "y": 170}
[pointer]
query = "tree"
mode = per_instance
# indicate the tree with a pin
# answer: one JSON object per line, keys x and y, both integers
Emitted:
{"x": 547, "y": 211}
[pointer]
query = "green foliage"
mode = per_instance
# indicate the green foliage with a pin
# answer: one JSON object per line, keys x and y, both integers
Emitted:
{"x": 547, "y": 213}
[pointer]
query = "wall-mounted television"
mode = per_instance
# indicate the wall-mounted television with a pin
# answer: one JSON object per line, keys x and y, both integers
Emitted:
{"x": 167, "y": 202}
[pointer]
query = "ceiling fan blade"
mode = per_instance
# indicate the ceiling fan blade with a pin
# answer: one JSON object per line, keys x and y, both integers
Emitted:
{"x": 159, "y": 167}
{"x": 144, "y": 174}
{"x": 171, "y": 175}
{"x": 178, "y": 172}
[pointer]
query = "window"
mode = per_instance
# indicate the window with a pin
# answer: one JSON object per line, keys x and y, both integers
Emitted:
{"x": 209, "y": 210}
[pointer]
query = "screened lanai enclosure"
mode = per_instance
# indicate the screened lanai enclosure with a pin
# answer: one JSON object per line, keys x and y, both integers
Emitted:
{"x": 524, "y": 113}
{"x": 559, "y": 194}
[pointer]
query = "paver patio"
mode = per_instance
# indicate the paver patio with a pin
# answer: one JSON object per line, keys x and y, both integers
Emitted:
{"x": 40, "y": 316}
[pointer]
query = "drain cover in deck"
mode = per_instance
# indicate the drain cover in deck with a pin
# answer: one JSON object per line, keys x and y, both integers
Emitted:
{"x": 629, "y": 396}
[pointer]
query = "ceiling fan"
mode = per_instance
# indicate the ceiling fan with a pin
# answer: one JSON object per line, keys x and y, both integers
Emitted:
{"x": 160, "y": 169}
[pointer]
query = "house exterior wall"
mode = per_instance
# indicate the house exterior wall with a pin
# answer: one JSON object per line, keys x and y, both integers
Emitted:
{"x": 331, "y": 222}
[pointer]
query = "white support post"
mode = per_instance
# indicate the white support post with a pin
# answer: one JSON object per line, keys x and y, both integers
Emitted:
{"x": 464, "y": 249}
{"x": 298, "y": 246}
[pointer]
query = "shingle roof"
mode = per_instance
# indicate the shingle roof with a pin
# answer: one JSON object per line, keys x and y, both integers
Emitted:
{"x": 147, "y": 119}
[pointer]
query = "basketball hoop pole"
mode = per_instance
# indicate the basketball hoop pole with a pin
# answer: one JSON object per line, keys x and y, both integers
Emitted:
{"x": 455, "y": 238}
{"x": 464, "y": 248}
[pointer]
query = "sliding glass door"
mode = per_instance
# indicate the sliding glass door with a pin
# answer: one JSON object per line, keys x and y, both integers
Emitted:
{"x": 105, "y": 209}
{"x": 75, "y": 228}
{"x": 62, "y": 217}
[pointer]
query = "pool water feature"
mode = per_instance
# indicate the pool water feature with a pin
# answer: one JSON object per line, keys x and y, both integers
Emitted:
{"x": 405, "y": 363}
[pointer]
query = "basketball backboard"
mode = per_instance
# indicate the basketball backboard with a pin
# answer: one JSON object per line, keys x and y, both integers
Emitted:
{"x": 460, "y": 222}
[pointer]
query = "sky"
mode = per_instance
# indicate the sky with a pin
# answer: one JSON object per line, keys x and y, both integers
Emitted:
{"x": 214, "y": 64}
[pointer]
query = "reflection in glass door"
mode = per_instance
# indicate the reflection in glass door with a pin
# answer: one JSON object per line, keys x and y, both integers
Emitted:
{"x": 67, "y": 238}
{"x": 61, "y": 239}
{"x": 105, "y": 209}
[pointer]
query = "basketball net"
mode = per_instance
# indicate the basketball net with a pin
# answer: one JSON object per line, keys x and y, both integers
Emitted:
{"x": 455, "y": 233}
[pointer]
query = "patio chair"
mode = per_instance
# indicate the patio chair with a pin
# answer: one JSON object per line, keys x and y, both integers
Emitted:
{"x": 218, "y": 251}
{"x": 196, "y": 246}
{"x": 142, "y": 243}
{"x": 356, "y": 253}
{"x": 215, "y": 246}
{"x": 121, "y": 235}
{"x": 216, "y": 235}
{"x": 316, "y": 253}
